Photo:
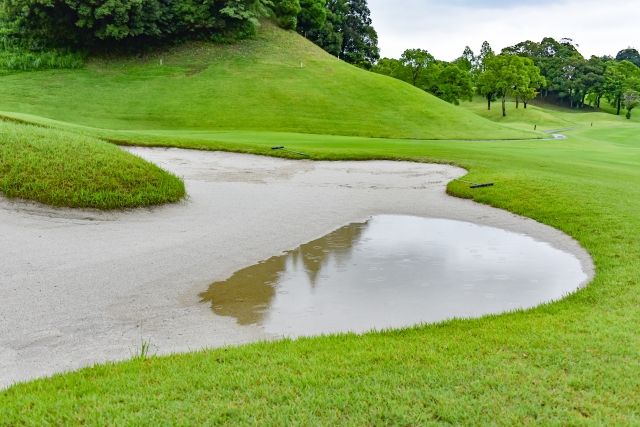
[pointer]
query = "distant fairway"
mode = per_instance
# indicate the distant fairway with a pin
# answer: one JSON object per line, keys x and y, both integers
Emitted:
{"x": 279, "y": 82}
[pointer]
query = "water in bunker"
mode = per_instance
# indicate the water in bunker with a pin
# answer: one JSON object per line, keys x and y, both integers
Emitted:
{"x": 395, "y": 271}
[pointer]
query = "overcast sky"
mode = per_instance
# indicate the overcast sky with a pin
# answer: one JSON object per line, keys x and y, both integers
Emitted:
{"x": 445, "y": 27}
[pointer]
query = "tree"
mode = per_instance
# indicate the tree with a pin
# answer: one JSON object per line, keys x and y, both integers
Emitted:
{"x": 619, "y": 79}
{"x": 312, "y": 16}
{"x": 348, "y": 33}
{"x": 287, "y": 12}
{"x": 631, "y": 100}
{"x": 467, "y": 61}
{"x": 595, "y": 69}
{"x": 454, "y": 84}
{"x": 504, "y": 74}
{"x": 330, "y": 37}
{"x": 560, "y": 64}
{"x": 630, "y": 54}
{"x": 360, "y": 39}
{"x": 536, "y": 81}
{"x": 416, "y": 61}
{"x": 486, "y": 86}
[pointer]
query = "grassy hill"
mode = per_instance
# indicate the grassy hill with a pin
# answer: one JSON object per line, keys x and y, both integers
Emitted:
{"x": 278, "y": 82}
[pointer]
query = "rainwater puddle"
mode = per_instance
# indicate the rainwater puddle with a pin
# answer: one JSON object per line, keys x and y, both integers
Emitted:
{"x": 395, "y": 271}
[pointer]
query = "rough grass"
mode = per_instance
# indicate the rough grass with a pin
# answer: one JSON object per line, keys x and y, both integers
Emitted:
{"x": 256, "y": 85}
{"x": 574, "y": 362}
{"x": 67, "y": 169}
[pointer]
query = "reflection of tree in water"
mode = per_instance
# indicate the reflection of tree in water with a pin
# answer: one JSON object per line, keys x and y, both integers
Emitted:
{"x": 247, "y": 295}
{"x": 317, "y": 254}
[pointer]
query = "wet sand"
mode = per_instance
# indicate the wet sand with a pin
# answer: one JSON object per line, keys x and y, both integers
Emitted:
{"x": 79, "y": 287}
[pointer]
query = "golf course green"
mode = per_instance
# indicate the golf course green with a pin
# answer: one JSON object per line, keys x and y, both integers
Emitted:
{"x": 571, "y": 362}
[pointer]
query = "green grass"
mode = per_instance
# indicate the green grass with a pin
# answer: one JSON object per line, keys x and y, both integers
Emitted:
{"x": 61, "y": 168}
{"x": 255, "y": 85}
{"x": 573, "y": 362}
{"x": 543, "y": 115}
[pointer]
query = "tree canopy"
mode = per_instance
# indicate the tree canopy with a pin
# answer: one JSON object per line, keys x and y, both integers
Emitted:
{"x": 449, "y": 81}
{"x": 630, "y": 54}
{"x": 82, "y": 24}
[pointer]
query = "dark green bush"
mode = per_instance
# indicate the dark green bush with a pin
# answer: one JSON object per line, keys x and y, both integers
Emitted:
{"x": 287, "y": 12}
{"x": 108, "y": 24}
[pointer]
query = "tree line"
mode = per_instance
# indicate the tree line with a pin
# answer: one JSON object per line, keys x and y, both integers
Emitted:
{"x": 553, "y": 70}
{"x": 341, "y": 27}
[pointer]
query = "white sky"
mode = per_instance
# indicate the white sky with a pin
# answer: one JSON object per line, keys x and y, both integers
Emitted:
{"x": 444, "y": 28}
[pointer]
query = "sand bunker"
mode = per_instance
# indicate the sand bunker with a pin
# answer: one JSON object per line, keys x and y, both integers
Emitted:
{"x": 83, "y": 287}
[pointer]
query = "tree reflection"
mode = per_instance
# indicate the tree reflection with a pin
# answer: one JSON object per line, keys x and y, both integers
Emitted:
{"x": 247, "y": 295}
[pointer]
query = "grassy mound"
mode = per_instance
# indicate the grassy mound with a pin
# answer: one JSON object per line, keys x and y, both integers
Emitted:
{"x": 279, "y": 82}
{"x": 66, "y": 169}
{"x": 574, "y": 362}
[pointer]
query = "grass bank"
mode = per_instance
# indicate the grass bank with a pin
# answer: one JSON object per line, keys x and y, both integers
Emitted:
{"x": 574, "y": 362}
{"x": 278, "y": 82}
{"x": 62, "y": 168}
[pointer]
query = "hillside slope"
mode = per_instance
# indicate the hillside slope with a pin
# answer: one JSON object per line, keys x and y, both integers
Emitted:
{"x": 277, "y": 82}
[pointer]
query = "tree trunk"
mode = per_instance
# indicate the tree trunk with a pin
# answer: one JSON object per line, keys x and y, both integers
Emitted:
{"x": 517, "y": 102}
{"x": 619, "y": 105}
{"x": 584, "y": 95}
{"x": 524, "y": 101}
{"x": 570, "y": 98}
{"x": 504, "y": 107}
{"x": 489, "y": 102}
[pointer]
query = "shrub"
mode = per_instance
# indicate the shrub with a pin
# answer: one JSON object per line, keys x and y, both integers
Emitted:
{"x": 287, "y": 12}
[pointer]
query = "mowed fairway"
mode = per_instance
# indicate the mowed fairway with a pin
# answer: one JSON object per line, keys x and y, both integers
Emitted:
{"x": 573, "y": 362}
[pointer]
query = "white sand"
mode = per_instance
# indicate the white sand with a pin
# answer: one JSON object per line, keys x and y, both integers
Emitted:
{"x": 82, "y": 287}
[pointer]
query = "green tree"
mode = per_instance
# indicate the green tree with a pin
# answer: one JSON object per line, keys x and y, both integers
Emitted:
{"x": 330, "y": 37}
{"x": 503, "y": 76}
{"x": 312, "y": 16}
{"x": 630, "y": 54}
{"x": 360, "y": 39}
{"x": 467, "y": 61}
{"x": 393, "y": 68}
{"x": 416, "y": 61}
{"x": 486, "y": 52}
{"x": 485, "y": 82}
{"x": 287, "y": 12}
{"x": 595, "y": 68}
{"x": 619, "y": 79}
{"x": 348, "y": 33}
{"x": 453, "y": 84}
{"x": 536, "y": 81}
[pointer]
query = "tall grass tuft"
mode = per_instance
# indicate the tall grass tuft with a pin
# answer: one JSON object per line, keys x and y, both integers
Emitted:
{"x": 35, "y": 61}
{"x": 62, "y": 168}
